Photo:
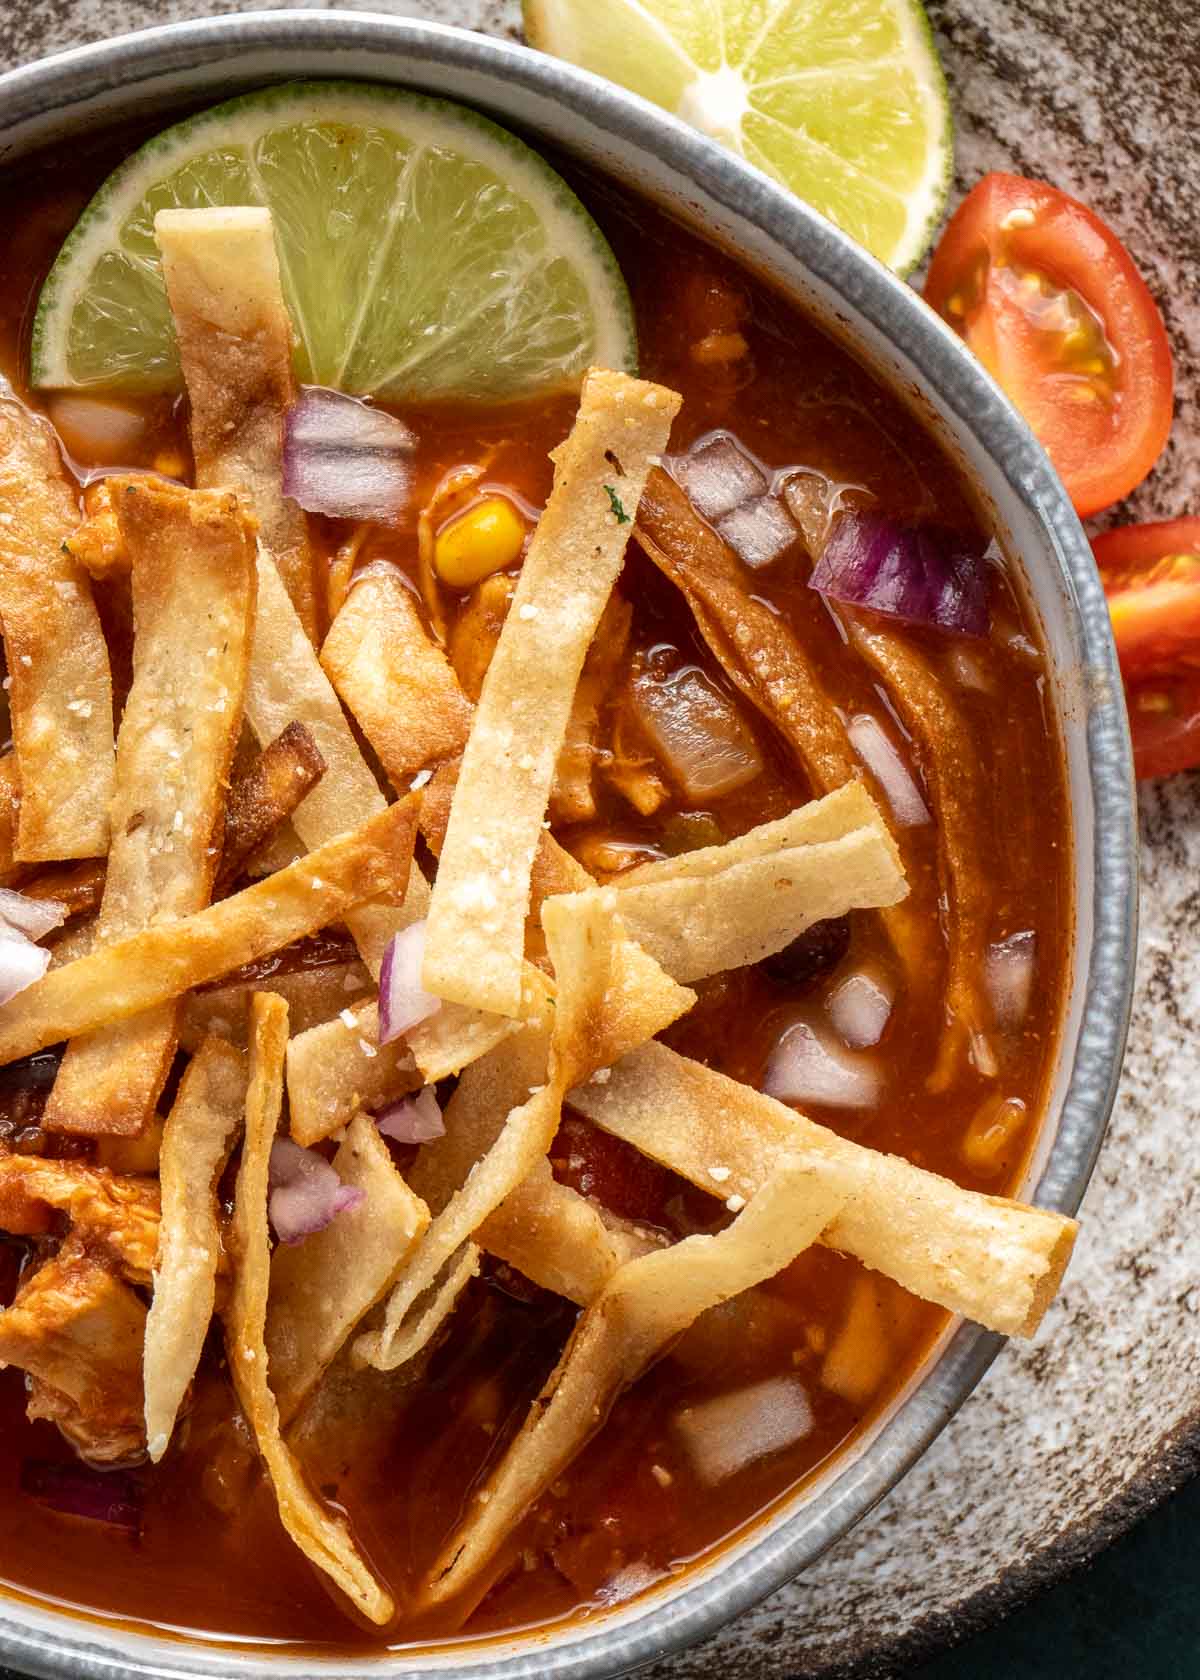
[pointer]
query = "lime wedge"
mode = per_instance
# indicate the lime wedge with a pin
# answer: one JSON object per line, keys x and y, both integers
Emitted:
{"x": 843, "y": 101}
{"x": 424, "y": 251}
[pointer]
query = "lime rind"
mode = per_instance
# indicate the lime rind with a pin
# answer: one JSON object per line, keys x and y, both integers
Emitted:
{"x": 424, "y": 250}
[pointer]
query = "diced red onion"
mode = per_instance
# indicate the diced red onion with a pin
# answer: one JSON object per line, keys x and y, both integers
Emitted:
{"x": 306, "y": 1194}
{"x": 718, "y": 475}
{"x": 107, "y": 1496}
{"x": 21, "y": 962}
{"x": 34, "y": 917}
{"x": 882, "y": 759}
{"x": 403, "y": 1001}
{"x": 1009, "y": 969}
{"x": 859, "y": 1009}
{"x": 724, "y": 1435}
{"x": 918, "y": 574}
{"x": 759, "y": 531}
{"x": 344, "y": 457}
{"x": 806, "y": 1069}
{"x": 697, "y": 732}
{"x": 413, "y": 1119}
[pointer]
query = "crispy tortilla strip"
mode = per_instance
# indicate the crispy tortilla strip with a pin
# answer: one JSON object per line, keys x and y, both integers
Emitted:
{"x": 396, "y": 681}
{"x": 996, "y": 1261}
{"x": 235, "y": 345}
{"x": 312, "y": 995}
{"x": 192, "y": 562}
{"x": 322, "y": 1287}
{"x": 78, "y": 887}
{"x": 610, "y": 996}
{"x": 200, "y": 1132}
{"x": 284, "y": 773}
{"x": 572, "y": 798}
{"x": 286, "y": 682}
{"x": 951, "y": 778}
{"x": 435, "y": 1307}
{"x": 115, "y": 981}
{"x": 61, "y": 686}
{"x": 475, "y": 940}
{"x": 10, "y": 805}
{"x": 756, "y": 649}
{"x": 697, "y": 918}
{"x": 338, "y": 1067}
{"x": 639, "y": 1312}
{"x": 323, "y": 1538}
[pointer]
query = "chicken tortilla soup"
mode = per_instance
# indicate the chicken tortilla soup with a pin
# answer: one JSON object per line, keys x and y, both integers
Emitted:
{"x": 536, "y": 886}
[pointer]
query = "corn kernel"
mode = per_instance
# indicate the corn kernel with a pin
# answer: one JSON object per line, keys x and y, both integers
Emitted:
{"x": 486, "y": 538}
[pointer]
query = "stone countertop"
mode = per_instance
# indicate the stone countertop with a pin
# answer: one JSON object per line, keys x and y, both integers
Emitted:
{"x": 1069, "y": 1439}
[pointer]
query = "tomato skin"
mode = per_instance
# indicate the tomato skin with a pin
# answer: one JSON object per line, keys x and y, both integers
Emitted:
{"x": 1151, "y": 575}
{"x": 1008, "y": 229}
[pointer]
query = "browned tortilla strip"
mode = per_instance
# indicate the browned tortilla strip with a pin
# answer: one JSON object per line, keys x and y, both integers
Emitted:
{"x": 197, "y": 1138}
{"x": 235, "y": 345}
{"x": 396, "y": 681}
{"x": 323, "y": 1286}
{"x": 10, "y": 805}
{"x": 755, "y": 647}
{"x": 643, "y": 1307}
{"x": 78, "y": 887}
{"x": 283, "y": 774}
{"x": 286, "y": 682}
{"x": 192, "y": 567}
{"x": 996, "y": 1261}
{"x": 474, "y": 945}
{"x": 60, "y": 696}
{"x": 115, "y": 981}
{"x": 313, "y": 995}
{"x": 322, "y": 1536}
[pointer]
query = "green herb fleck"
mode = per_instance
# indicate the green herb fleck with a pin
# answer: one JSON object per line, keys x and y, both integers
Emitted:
{"x": 615, "y": 503}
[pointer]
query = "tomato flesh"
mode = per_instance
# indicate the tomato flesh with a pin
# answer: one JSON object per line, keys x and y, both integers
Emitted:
{"x": 1050, "y": 301}
{"x": 1151, "y": 575}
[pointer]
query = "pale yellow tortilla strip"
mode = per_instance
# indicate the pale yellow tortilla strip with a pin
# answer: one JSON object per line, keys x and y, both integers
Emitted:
{"x": 475, "y": 942}
{"x": 115, "y": 981}
{"x": 996, "y": 1261}
{"x": 338, "y": 1067}
{"x": 323, "y": 1286}
{"x": 199, "y": 1133}
{"x": 323, "y": 1537}
{"x": 235, "y": 345}
{"x": 193, "y": 577}
{"x": 60, "y": 694}
{"x": 396, "y": 681}
{"x": 642, "y": 1308}
{"x": 10, "y": 805}
{"x": 286, "y": 682}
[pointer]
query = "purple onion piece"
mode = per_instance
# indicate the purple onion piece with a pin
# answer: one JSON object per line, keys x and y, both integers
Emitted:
{"x": 306, "y": 1194}
{"x": 107, "y": 1496}
{"x": 403, "y": 1001}
{"x": 919, "y": 574}
{"x": 345, "y": 458}
{"x": 413, "y": 1119}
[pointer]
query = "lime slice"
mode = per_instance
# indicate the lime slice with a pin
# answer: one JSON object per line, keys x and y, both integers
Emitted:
{"x": 843, "y": 101}
{"x": 424, "y": 251}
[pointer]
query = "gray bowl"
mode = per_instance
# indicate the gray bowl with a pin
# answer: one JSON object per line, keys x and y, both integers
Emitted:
{"x": 891, "y": 330}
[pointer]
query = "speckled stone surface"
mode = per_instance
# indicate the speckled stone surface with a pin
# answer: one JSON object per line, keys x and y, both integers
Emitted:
{"x": 1067, "y": 1440}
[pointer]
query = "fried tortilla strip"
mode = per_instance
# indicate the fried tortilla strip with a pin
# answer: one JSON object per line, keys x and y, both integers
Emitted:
{"x": 727, "y": 906}
{"x": 475, "y": 940}
{"x": 323, "y": 1538}
{"x": 996, "y": 1261}
{"x": 286, "y": 682}
{"x": 78, "y": 887}
{"x": 571, "y": 798}
{"x": 192, "y": 564}
{"x": 756, "y": 649}
{"x": 312, "y": 995}
{"x": 951, "y": 778}
{"x": 115, "y": 981}
{"x": 284, "y": 773}
{"x": 642, "y": 1308}
{"x": 322, "y": 1287}
{"x": 399, "y": 685}
{"x": 61, "y": 686}
{"x": 338, "y": 1067}
{"x": 235, "y": 345}
{"x": 200, "y": 1132}
{"x": 10, "y": 805}
{"x": 432, "y": 1310}
{"x": 610, "y": 996}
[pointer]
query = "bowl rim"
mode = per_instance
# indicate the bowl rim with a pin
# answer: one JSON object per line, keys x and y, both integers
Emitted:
{"x": 66, "y": 1643}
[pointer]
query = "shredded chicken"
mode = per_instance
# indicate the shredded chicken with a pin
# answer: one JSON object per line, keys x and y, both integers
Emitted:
{"x": 572, "y": 798}
{"x": 474, "y": 637}
{"x": 113, "y": 1217}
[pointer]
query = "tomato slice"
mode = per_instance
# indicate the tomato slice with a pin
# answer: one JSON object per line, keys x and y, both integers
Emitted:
{"x": 1049, "y": 300}
{"x": 1151, "y": 575}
